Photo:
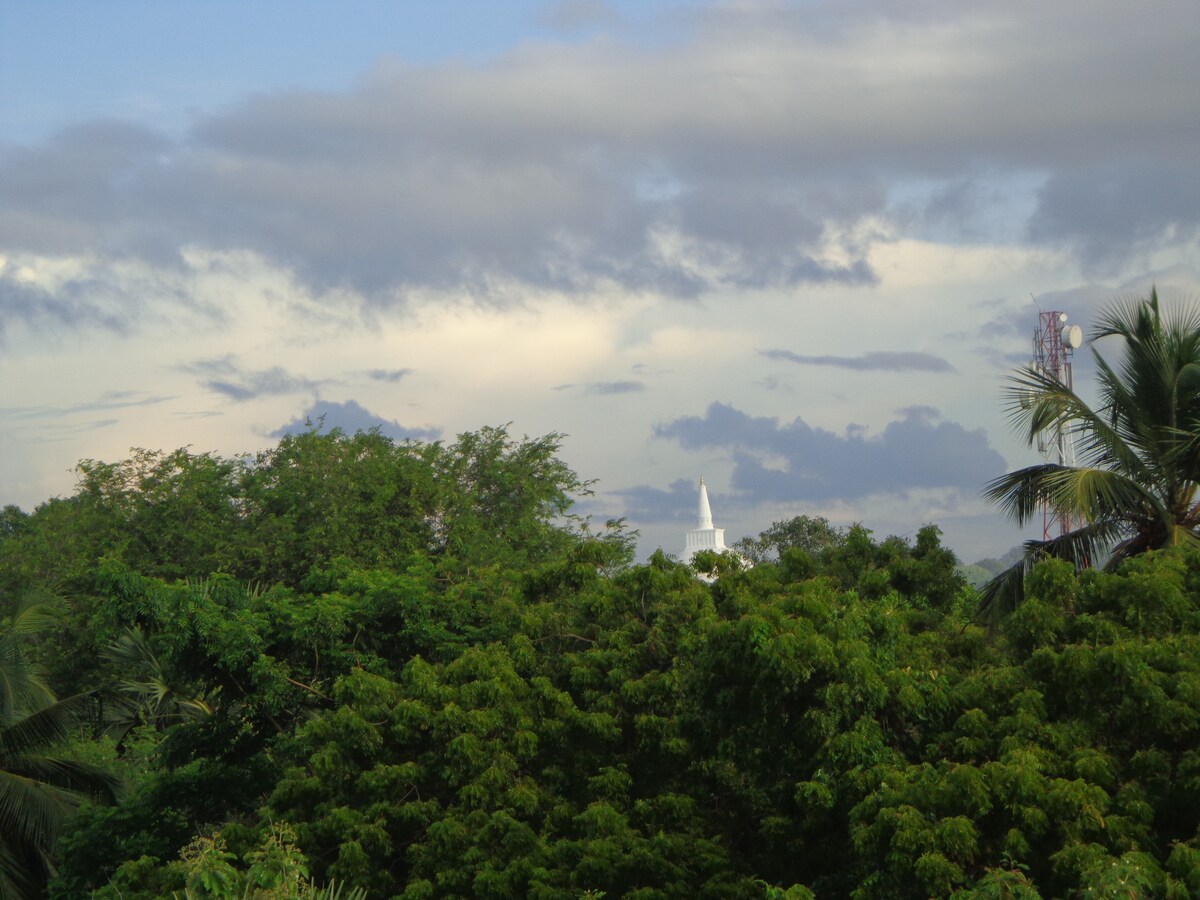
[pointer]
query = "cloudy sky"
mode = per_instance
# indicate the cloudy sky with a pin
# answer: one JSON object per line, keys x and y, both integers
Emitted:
{"x": 791, "y": 247}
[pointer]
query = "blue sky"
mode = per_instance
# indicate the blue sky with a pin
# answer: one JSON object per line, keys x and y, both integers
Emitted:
{"x": 791, "y": 247}
{"x": 161, "y": 63}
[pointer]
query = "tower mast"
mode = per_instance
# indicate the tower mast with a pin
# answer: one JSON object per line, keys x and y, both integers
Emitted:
{"x": 1054, "y": 344}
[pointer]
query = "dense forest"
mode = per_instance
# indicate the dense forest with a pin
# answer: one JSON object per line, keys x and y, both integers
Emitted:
{"x": 350, "y": 667}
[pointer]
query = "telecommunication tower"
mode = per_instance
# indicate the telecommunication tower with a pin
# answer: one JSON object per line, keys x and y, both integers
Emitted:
{"x": 1054, "y": 343}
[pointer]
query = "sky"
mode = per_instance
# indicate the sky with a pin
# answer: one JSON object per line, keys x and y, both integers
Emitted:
{"x": 791, "y": 248}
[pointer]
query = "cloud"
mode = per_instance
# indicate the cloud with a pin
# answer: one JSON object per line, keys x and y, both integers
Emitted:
{"x": 108, "y": 401}
{"x": 880, "y": 361}
{"x": 920, "y": 413}
{"x": 574, "y": 16}
{"x": 781, "y": 462}
{"x": 1109, "y": 214}
{"x": 350, "y": 417}
{"x": 644, "y": 503}
{"x": 391, "y": 376}
{"x": 1176, "y": 286}
{"x": 74, "y": 303}
{"x": 752, "y": 151}
{"x": 604, "y": 388}
{"x": 224, "y": 376}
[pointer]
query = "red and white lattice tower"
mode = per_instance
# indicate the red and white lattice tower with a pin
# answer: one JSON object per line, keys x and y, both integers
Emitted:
{"x": 1054, "y": 343}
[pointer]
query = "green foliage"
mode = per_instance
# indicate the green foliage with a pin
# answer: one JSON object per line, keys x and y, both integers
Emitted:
{"x": 272, "y": 869}
{"x": 811, "y": 534}
{"x": 292, "y": 510}
{"x": 409, "y": 672}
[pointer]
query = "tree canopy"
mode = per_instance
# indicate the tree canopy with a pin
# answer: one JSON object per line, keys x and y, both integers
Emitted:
{"x": 459, "y": 690}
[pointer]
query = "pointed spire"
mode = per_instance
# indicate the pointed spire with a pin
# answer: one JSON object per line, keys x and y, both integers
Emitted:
{"x": 704, "y": 536}
{"x": 703, "y": 511}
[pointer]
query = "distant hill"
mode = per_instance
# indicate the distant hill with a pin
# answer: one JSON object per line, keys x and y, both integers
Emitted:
{"x": 982, "y": 571}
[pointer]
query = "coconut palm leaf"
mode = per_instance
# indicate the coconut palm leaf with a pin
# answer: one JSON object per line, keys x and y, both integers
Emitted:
{"x": 20, "y": 869}
{"x": 1039, "y": 403}
{"x": 147, "y": 694}
{"x": 67, "y": 775}
{"x": 37, "y": 791}
{"x": 1081, "y": 547}
{"x": 21, "y": 686}
{"x": 48, "y": 727}
{"x": 1020, "y": 494}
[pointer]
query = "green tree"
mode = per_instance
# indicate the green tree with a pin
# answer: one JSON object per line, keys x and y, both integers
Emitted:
{"x": 812, "y": 534}
{"x": 1135, "y": 486}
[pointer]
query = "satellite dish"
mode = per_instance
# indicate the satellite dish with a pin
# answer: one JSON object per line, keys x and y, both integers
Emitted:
{"x": 1072, "y": 336}
{"x": 1062, "y": 317}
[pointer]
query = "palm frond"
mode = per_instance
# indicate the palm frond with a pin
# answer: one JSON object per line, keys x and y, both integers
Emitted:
{"x": 338, "y": 891}
{"x": 148, "y": 693}
{"x": 70, "y": 775}
{"x": 1020, "y": 494}
{"x": 30, "y": 813}
{"x": 1003, "y": 593}
{"x": 22, "y": 687}
{"x": 23, "y": 871}
{"x": 1182, "y": 535}
{"x": 1125, "y": 317}
{"x": 1080, "y": 547}
{"x": 1160, "y": 348}
{"x": 37, "y": 792}
{"x": 1086, "y": 494}
{"x": 48, "y": 727}
{"x": 1039, "y": 404}
{"x": 33, "y": 613}
{"x": 1095, "y": 495}
{"x": 1119, "y": 434}
{"x": 1084, "y": 545}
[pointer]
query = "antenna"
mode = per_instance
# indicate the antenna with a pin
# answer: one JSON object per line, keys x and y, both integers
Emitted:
{"x": 1054, "y": 343}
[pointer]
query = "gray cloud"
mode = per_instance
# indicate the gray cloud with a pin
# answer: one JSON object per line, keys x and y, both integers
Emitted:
{"x": 614, "y": 387}
{"x": 108, "y": 401}
{"x": 915, "y": 451}
{"x": 880, "y": 361}
{"x": 77, "y": 303}
{"x": 1176, "y": 287}
{"x": 1109, "y": 214}
{"x": 677, "y": 503}
{"x": 351, "y": 417}
{"x": 389, "y": 375}
{"x": 1080, "y": 303}
{"x": 736, "y": 157}
{"x": 604, "y": 388}
{"x": 224, "y": 376}
{"x": 573, "y": 16}
{"x": 920, "y": 412}
{"x": 647, "y": 369}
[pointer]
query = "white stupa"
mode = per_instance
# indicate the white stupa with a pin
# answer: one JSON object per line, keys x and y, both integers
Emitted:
{"x": 704, "y": 536}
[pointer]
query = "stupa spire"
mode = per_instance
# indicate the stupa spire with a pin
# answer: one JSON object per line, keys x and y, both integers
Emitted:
{"x": 703, "y": 510}
{"x": 704, "y": 536}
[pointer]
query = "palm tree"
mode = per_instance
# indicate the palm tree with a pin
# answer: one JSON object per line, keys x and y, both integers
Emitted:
{"x": 37, "y": 790}
{"x": 21, "y": 686}
{"x": 1135, "y": 486}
